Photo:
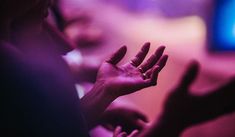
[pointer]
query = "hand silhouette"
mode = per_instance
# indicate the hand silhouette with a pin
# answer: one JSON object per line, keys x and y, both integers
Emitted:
{"x": 185, "y": 109}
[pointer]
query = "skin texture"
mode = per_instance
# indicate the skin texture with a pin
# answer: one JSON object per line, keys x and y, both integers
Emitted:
{"x": 115, "y": 80}
{"x": 128, "y": 78}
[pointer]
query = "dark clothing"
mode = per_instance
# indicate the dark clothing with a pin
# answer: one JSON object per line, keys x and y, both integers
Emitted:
{"x": 38, "y": 95}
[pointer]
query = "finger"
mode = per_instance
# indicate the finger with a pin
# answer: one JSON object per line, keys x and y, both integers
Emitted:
{"x": 154, "y": 75}
{"x": 140, "y": 124}
{"x": 117, "y": 56}
{"x": 190, "y": 75}
{"x": 117, "y": 131}
{"x": 162, "y": 62}
{"x": 108, "y": 127}
{"x": 153, "y": 59}
{"x": 141, "y": 116}
{"x": 160, "y": 65}
{"x": 143, "y": 84}
{"x": 123, "y": 134}
{"x": 150, "y": 71}
{"x": 138, "y": 59}
{"x": 134, "y": 133}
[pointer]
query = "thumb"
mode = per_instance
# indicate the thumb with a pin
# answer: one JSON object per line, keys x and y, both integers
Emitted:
{"x": 134, "y": 133}
{"x": 117, "y": 56}
{"x": 190, "y": 75}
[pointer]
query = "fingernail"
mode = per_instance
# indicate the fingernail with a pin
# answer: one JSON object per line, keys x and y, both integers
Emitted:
{"x": 146, "y": 46}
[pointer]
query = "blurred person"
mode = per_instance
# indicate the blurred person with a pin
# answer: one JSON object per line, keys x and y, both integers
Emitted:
{"x": 42, "y": 38}
{"x": 52, "y": 36}
{"x": 37, "y": 87}
{"x": 79, "y": 27}
{"x": 128, "y": 118}
{"x": 72, "y": 35}
{"x": 60, "y": 40}
{"x": 85, "y": 74}
{"x": 30, "y": 92}
{"x": 124, "y": 125}
{"x": 84, "y": 67}
{"x": 50, "y": 111}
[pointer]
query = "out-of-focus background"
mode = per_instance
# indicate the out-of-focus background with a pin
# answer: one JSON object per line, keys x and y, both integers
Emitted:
{"x": 202, "y": 30}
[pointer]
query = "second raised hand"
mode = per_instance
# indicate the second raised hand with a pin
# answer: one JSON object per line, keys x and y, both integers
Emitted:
{"x": 134, "y": 75}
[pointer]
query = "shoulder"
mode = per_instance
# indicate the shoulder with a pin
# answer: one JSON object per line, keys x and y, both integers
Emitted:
{"x": 10, "y": 59}
{"x": 8, "y": 51}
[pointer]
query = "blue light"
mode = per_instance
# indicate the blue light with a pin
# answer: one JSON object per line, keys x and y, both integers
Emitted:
{"x": 224, "y": 29}
{"x": 234, "y": 29}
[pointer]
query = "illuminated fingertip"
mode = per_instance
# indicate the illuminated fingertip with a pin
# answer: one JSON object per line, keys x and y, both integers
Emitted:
{"x": 146, "y": 46}
{"x": 162, "y": 47}
{"x": 165, "y": 56}
{"x": 160, "y": 50}
{"x": 124, "y": 47}
{"x": 147, "y": 43}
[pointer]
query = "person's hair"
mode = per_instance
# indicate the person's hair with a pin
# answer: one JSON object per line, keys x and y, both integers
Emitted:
{"x": 13, "y": 8}
{"x": 2, "y": 5}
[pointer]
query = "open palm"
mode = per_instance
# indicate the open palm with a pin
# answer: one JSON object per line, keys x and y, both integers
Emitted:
{"x": 134, "y": 75}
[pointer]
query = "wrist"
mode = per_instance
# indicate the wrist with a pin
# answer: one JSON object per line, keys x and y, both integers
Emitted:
{"x": 107, "y": 90}
{"x": 95, "y": 102}
{"x": 101, "y": 91}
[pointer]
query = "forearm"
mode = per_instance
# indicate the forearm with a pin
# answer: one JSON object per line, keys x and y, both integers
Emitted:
{"x": 95, "y": 102}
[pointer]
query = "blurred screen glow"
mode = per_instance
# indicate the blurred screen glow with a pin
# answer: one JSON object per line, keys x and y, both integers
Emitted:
{"x": 224, "y": 25}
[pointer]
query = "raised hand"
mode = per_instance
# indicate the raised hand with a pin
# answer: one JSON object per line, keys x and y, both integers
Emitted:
{"x": 128, "y": 119}
{"x": 184, "y": 109}
{"x": 132, "y": 76}
{"x": 114, "y": 81}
